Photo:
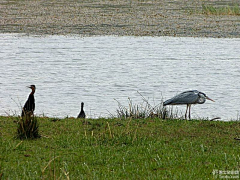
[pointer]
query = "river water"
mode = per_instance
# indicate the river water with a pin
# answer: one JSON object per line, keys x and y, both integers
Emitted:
{"x": 100, "y": 71}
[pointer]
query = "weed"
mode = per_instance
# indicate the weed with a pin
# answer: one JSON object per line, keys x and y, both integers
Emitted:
{"x": 28, "y": 127}
{"x": 145, "y": 110}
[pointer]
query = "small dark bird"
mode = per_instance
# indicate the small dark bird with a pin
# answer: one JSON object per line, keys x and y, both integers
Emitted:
{"x": 82, "y": 113}
{"x": 188, "y": 98}
{"x": 29, "y": 106}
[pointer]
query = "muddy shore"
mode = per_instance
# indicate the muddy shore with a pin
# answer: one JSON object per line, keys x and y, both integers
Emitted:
{"x": 117, "y": 17}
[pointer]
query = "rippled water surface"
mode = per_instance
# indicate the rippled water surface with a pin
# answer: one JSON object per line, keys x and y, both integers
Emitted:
{"x": 96, "y": 70}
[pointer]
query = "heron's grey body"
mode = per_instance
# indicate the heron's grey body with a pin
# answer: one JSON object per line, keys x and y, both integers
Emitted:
{"x": 188, "y": 98}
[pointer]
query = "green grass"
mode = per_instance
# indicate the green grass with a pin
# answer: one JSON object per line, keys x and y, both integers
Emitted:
{"x": 233, "y": 10}
{"x": 119, "y": 149}
{"x": 225, "y": 10}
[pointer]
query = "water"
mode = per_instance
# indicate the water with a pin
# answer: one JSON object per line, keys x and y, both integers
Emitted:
{"x": 96, "y": 70}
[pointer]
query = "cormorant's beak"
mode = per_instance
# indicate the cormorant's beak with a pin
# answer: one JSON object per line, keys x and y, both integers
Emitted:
{"x": 209, "y": 99}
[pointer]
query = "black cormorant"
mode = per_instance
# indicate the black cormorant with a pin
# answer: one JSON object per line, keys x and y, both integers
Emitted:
{"x": 29, "y": 106}
{"x": 82, "y": 113}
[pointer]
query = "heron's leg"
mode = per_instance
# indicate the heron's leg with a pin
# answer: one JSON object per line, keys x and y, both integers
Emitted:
{"x": 189, "y": 115}
{"x": 186, "y": 112}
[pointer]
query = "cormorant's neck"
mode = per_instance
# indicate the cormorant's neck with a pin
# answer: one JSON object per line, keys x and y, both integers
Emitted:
{"x": 33, "y": 91}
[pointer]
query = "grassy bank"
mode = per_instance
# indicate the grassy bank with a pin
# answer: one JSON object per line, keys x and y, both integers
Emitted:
{"x": 120, "y": 149}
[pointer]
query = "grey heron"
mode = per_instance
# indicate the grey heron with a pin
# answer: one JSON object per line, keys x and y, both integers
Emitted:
{"x": 82, "y": 113}
{"x": 188, "y": 98}
{"x": 30, "y": 103}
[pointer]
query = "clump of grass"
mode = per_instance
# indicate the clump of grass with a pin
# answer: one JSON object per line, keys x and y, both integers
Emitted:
{"x": 145, "y": 110}
{"x": 28, "y": 127}
{"x": 226, "y": 10}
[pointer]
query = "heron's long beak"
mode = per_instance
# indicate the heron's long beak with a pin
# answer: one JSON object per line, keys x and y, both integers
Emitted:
{"x": 209, "y": 99}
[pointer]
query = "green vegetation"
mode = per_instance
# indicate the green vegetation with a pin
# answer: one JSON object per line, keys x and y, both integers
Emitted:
{"x": 119, "y": 149}
{"x": 144, "y": 110}
{"x": 27, "y": 127}
{"x": 225, "y": 10}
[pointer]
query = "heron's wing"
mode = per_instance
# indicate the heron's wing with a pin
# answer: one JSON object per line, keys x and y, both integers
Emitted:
{"x": 187, "y": 97}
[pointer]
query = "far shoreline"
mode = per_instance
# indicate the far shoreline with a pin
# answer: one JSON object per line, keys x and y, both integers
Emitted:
{"x": 93, "y": 36}
{"x": 117, "y": 18}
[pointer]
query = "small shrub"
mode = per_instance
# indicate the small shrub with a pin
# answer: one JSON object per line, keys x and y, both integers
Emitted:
{"x": 28, "y": 127}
